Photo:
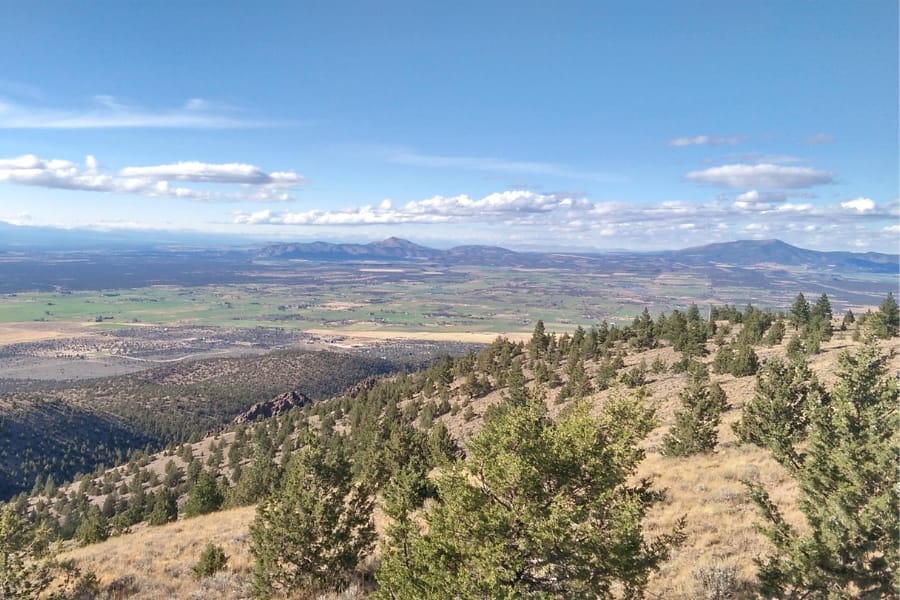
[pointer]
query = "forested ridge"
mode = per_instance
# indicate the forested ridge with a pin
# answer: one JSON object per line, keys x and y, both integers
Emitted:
{"x": 516, "y": 471}
{"x": 56, "y": 431}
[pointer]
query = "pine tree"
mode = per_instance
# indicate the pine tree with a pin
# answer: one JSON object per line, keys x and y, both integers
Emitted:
{"x": 539, "y": 509}
{"x": 697, "y": 421}
{"x": 848, "y": 492}
{"x": 312, "y": 531}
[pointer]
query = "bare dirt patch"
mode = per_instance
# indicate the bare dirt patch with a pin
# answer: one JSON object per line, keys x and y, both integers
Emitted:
{"x": 17, "y": 333}
{"x": 363, "y": 337}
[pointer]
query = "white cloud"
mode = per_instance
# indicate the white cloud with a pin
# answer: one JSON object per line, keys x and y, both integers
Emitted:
{"x": 257, "y": 185}
{"x": 764, "y": 175}
{"x": 752, "y": 196}
{"x": 860, "y": 205}
{"x": 703, "y": 140}
{"x": 105, "y": 112}
{"x": 565, "y": 219}
{"x": 213, "y": 173}
{"x": 513, "y": 206}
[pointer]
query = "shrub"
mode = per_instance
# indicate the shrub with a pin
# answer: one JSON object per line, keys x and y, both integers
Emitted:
{"x": 212, "y": 559}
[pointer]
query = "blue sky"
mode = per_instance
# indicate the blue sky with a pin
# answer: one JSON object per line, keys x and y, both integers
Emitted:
{"x": 629, "y": 124}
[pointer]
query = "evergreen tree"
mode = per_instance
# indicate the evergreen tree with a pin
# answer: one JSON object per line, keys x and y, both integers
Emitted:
{"x": 21, "y": 576}
{"x": 539, "y": 509}
{"x": 312, "y": 531}
{"x": 848, "y": 492}
{"x": 165, "y": 508}
{"x": 799, "y": 312}
{"x": 885, "y": 323}
{"x": 205, "y": 496}
{"x": 697, "y": 421}
{"x": 778, "y": 415}
{"x": 849, "y": 319}
{"x": 93, "y": 527}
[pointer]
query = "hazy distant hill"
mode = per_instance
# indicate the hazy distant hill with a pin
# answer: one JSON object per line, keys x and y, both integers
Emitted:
{"x": 742, "y": 253}
{"x": 752, "y": 252}
{"x": 391, "y": 248}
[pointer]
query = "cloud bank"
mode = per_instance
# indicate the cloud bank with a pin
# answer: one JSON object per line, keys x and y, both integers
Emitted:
{"x": 567, "y": 220}
{"x": 254, "y": 183}
{"x": 765, "y": 175}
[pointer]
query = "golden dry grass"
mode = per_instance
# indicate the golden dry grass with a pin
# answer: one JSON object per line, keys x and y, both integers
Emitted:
{"x": 707, "y": 490}
{"x": 159, "y": 559}
{"x": 17, "y": 333}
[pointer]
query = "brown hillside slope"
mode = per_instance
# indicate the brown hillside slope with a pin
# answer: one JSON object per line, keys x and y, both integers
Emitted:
{"x": 722, "y": 541}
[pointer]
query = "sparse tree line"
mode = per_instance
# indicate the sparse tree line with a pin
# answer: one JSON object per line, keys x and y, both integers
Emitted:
{"x": 535, "y": 507}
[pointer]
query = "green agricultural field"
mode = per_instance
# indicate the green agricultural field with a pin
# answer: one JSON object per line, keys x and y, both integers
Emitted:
{"x": 472, "y": 299}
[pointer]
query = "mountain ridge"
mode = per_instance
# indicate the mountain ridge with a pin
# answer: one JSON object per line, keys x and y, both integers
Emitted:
{"x": 744, "y": 253}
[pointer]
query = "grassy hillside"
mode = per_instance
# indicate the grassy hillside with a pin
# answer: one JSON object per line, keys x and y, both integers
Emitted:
{"x": 706, "y": 489}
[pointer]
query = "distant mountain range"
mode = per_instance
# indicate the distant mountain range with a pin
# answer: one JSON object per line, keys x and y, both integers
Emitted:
{"x": 743, "y": 253}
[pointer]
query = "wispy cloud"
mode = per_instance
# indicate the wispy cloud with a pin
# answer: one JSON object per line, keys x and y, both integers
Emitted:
{"x": 820, "y": 138}
{"x": 765, "y": 175}
{"x": 497, "y": 165}
{"x": 108, "y": 112}
{"x": 704, "y": 140}
{"x": 255, "y": 184}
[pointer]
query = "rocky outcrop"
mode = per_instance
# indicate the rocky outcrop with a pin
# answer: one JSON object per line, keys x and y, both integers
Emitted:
{"x": 272, "y": 408}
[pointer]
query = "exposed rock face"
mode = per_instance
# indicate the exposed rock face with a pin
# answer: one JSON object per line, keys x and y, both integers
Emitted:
{"x": 272, "y": 408}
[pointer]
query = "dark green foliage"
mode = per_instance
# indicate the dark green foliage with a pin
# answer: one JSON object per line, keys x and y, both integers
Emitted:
{"x": 21, "y": 576}
{"x": 539, "y": 509}
{"x": 848, "y": 492}
{"x": 259, "y": 476}
{"x": 697, "y": 421}
{"x": 165, "y": 508}
{"x": 775, "y": 333}
{"x": 848, "y": 320}
{"x": 212, "y": 560}
{"x": 745, "y": 361}
{"x": 70, "y": 428}
{"x": 312, "y": 531}
{"x": 93, "y": 528}
{"x": 799, "y": 316}
{"x": 205, "y": 496}
{"x": 778, "y": 415}
{"x": 885, "y": 322}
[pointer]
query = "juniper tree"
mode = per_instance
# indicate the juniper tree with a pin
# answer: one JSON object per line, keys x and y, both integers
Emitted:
{"x": 778, "y": 415}
{"x": 799, "y": 312}
{"x": 849, "y": 485}
{"x": 539, "y": 509}
{"x": 312, "y": 531}
{"x": 21, "y": 576}
{"x": 697, "y": 421}
{"x": 205, "y": 496}
{"x": 165, "y": 508}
